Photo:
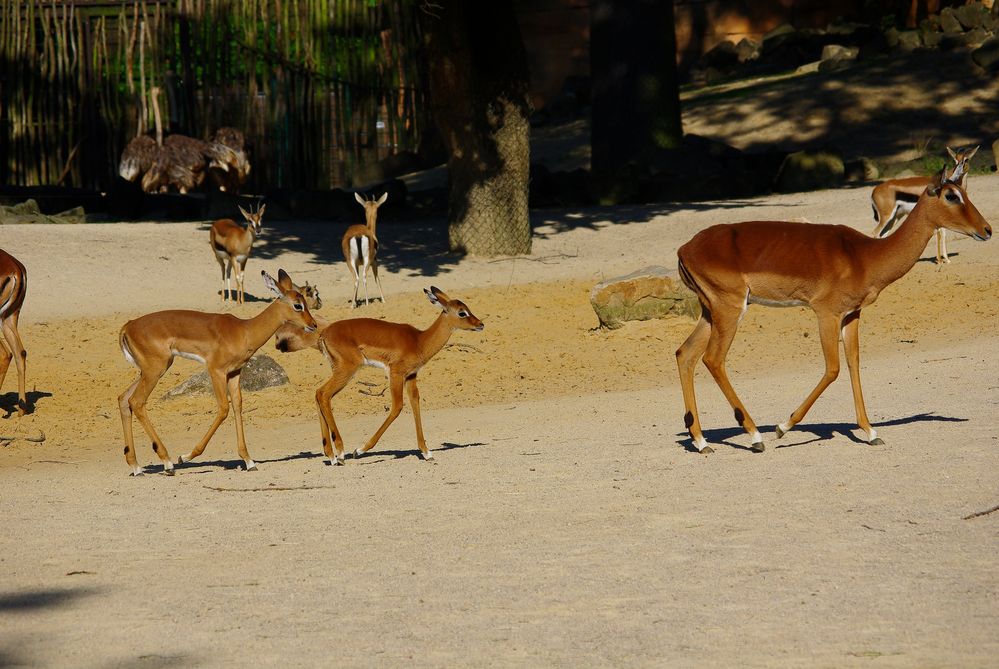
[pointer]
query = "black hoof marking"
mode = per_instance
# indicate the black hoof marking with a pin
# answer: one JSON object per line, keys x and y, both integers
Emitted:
{"x": 758, "y": 447}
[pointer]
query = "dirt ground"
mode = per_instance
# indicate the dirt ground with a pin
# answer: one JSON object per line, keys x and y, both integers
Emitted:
{"x": 564, "y": 522}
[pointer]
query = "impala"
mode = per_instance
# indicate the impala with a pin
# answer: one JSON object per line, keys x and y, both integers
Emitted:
{"x": 360, "y": 246}
{"x": 231, "y": 243}
{"x": 13, "y": 284}
{"x": 223, "y": 343}
{"x": 835, "y": 270}
{"x": 400, "y": 349}
{"x": 893, "y": 199}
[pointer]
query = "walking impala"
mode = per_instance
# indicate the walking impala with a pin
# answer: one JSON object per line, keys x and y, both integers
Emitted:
{"x": 221, "y": 342}
{"x": 13, "y": 285}
{"x": 231, "y": 243}
{"x": 893, "y": 199}
{"x": 400, "y": 349}
{"x": 360, "y": 246}
{"x": 835, "y": 270}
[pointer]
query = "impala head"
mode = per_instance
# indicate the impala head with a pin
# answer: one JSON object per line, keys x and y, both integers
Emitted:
{"x": 371, "y": 206}
{"x": 455, "y": 310}
{"x": 254, "y": 219}
{"x": 286, "y": 294}
{"x": 952, "y": 209}
{"x": 311, "y": 295}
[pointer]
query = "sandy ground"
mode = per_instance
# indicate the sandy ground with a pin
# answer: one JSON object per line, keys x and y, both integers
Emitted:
{"x": 564, "y": 522}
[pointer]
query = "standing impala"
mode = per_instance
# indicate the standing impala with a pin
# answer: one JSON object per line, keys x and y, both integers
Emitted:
{"x": 835, "y": 270}
{"x": 893, "y": 199}
{"x": 400, "y": 349}
{"x": 13, "y": 284}
{"x": 360, "y": 246}
{"x": 231, "y": 243}
{"x": 221, "y": 342}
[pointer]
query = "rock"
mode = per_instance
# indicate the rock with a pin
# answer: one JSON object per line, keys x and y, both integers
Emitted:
{"x": 651, "y": 292}
{"x": 839, "y": 52}
{"x": 29, "y": 212}
{"x": 973, "y": 15}
{"x": 748, "y": 49}
{"x": 722, "y": 57}
{"x": 976, "y": 37}
{"x": 259, "y": 373}
{"x": 909, "y": 40}
{"x": 810, "y": 170}
{"x": 987, "y": 55}
{"x": 834, "y": 64}
{"x": 950, "y": 23}
{"x": 931, "y": 40}
{"x": 861, "y": 169}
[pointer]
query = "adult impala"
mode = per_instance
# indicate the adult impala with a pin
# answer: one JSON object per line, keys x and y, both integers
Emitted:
{"x": 400, "y": 349}
{"x": 221, "y": 342}
{"x": 893, "y": 199}
{"x": 360, "y": 246}
{"x": 835, "y": 270}
{"x": 13, "y": 285}
{"x": 231, "y": 243}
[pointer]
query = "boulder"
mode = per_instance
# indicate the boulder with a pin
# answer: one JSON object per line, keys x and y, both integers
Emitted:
{"x": 972, "y": 15}
{"x": 259, "y": 373}
{"x": 987, "y": 55}
{"x": 950, "y": 23}
{"x": 810, "y": 170}
{"x": 839, "y": 52}
{"x": 748, "y": 49}
{"x": 29, "y": 212}
{"x": 909, "y": 40}
{"x": 651, "y": 292}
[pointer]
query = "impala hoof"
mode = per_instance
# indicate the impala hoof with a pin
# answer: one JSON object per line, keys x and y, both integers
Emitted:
{"x": 356, "y": 453}
{"x": 877, "y": 441}
{"x": 251, "y": 466}
{"x": 758, "y": 447}
{"x": 706, "y": 450}
{"x": 428, "y": 456}
{"x": 170, "y": 472}
{"x": 781, "y": 431}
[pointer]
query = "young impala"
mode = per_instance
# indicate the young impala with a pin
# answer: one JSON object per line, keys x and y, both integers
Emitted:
{"x": 13, "y": 284}
{"x": 893, "y": 199}
{"x": 231, "y": 243}
{"x": 221, "y": 342}
{"x": 360, "y": 246}
{"x": 400, "y": 349}
{"x": 835, "y": 270}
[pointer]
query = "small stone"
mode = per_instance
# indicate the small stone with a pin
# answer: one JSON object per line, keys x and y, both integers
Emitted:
{"x": 651, "y": 292}
{"x": 260, "y": 372}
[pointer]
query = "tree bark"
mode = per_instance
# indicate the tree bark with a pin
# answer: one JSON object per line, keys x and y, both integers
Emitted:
{"x": 478, "y": 91}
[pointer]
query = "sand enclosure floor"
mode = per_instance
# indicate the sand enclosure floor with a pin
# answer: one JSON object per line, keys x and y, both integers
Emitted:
{"x": 564, "y": 522}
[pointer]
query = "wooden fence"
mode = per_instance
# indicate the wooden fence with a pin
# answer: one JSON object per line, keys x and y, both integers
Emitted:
{"x": 319, "y": 87}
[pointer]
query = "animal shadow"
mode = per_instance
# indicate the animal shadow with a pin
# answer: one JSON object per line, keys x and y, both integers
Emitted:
{"x": 228, "y": 465}
{"x": 9, "y": 401}
{"x": 415, "y": 452}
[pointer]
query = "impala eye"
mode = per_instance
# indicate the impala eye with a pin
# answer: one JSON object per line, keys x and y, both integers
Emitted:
{"x": 952, "y": 197}
{"x": 462, "y": 314}
{"x": 299, "y": 307}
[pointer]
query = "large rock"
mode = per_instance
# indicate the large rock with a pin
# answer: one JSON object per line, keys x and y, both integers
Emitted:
{"x": 987, "y": 55}
{"x": 810, "y": 170}
{"x": 259, "y": 373}
{"x": 651, "y": 292}
{"x": 949, "y": 23}
{"x": 29, "y": 212}
{"x": 972, "y": 15}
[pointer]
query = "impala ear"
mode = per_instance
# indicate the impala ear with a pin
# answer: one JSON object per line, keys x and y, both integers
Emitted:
{"x": 382, "y": 199}
{"x": 271, "y": 283}
{"x": 360, "y": 200}
{"x": 245, "y": 213}
{"x": 260, "y": 214}
{"x": 971, "y": 154}
{"x": 284, "y": 281}
{"x": 950, "y": 152}
{"x": 436, "y": 296}
{"x": 939, "y": 179}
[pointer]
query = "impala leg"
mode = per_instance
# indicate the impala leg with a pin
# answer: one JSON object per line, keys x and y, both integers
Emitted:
{"x": 20, "y": 356}
{"x": 378, "y": 282}
{"x": 942, "y": 246}
{"x": 687, "y": 357}
{"x": 240, "y": 276}
{"x": 236, "y": 397}
{"x": 724, "y": 327}
{"x": 396, "y": 382}
{"x": 140, "y": 390}
{"x": 332, "y": 439}
{"x": 228, "y": 280}
{"x": 357, "y": 279}
{"x": 221, "y": 262}
{"x": 219, "y": 386}
{"x": 5, "y": 358}
{"x": 829, "y": 336}
{"x": 851, "y": 347}
{"x": 414, "y": 402}
{"x": 364, "y": 271}
{"x": 126, "y": 426}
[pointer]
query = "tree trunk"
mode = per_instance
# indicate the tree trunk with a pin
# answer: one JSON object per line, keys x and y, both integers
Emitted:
{"x": 635, "y": 110}
{"x": 478, "y": 92}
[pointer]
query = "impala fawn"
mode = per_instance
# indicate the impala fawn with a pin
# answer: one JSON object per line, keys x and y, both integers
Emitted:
{"x": 360, "y": 246}
{"x": 13, "y": 285}
{"x": 231, "y": 243}
{"x": 400, "y": 349}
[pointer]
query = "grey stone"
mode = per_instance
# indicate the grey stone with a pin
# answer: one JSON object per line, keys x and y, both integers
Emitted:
{"x": 839, "y": 52}
{"x": 987, "y": 55}
{"x": 29, "y": 212}
{"x": 810, "y": 170}
{"x": 950, "y": 23}
{"x": 748, "y": 49}
{"x": 260, "y": 372}
{"x": 651, "y": 292}
{"x": 909, "y": 40}
{"x": 973, "y": 15}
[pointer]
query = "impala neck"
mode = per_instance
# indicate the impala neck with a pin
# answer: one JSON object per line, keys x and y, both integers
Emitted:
{"x": 372, "y": 223}
{"x": 260, "y": 328}
{"x": 896, "y": 254}
{"x": 433, "y": 339}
